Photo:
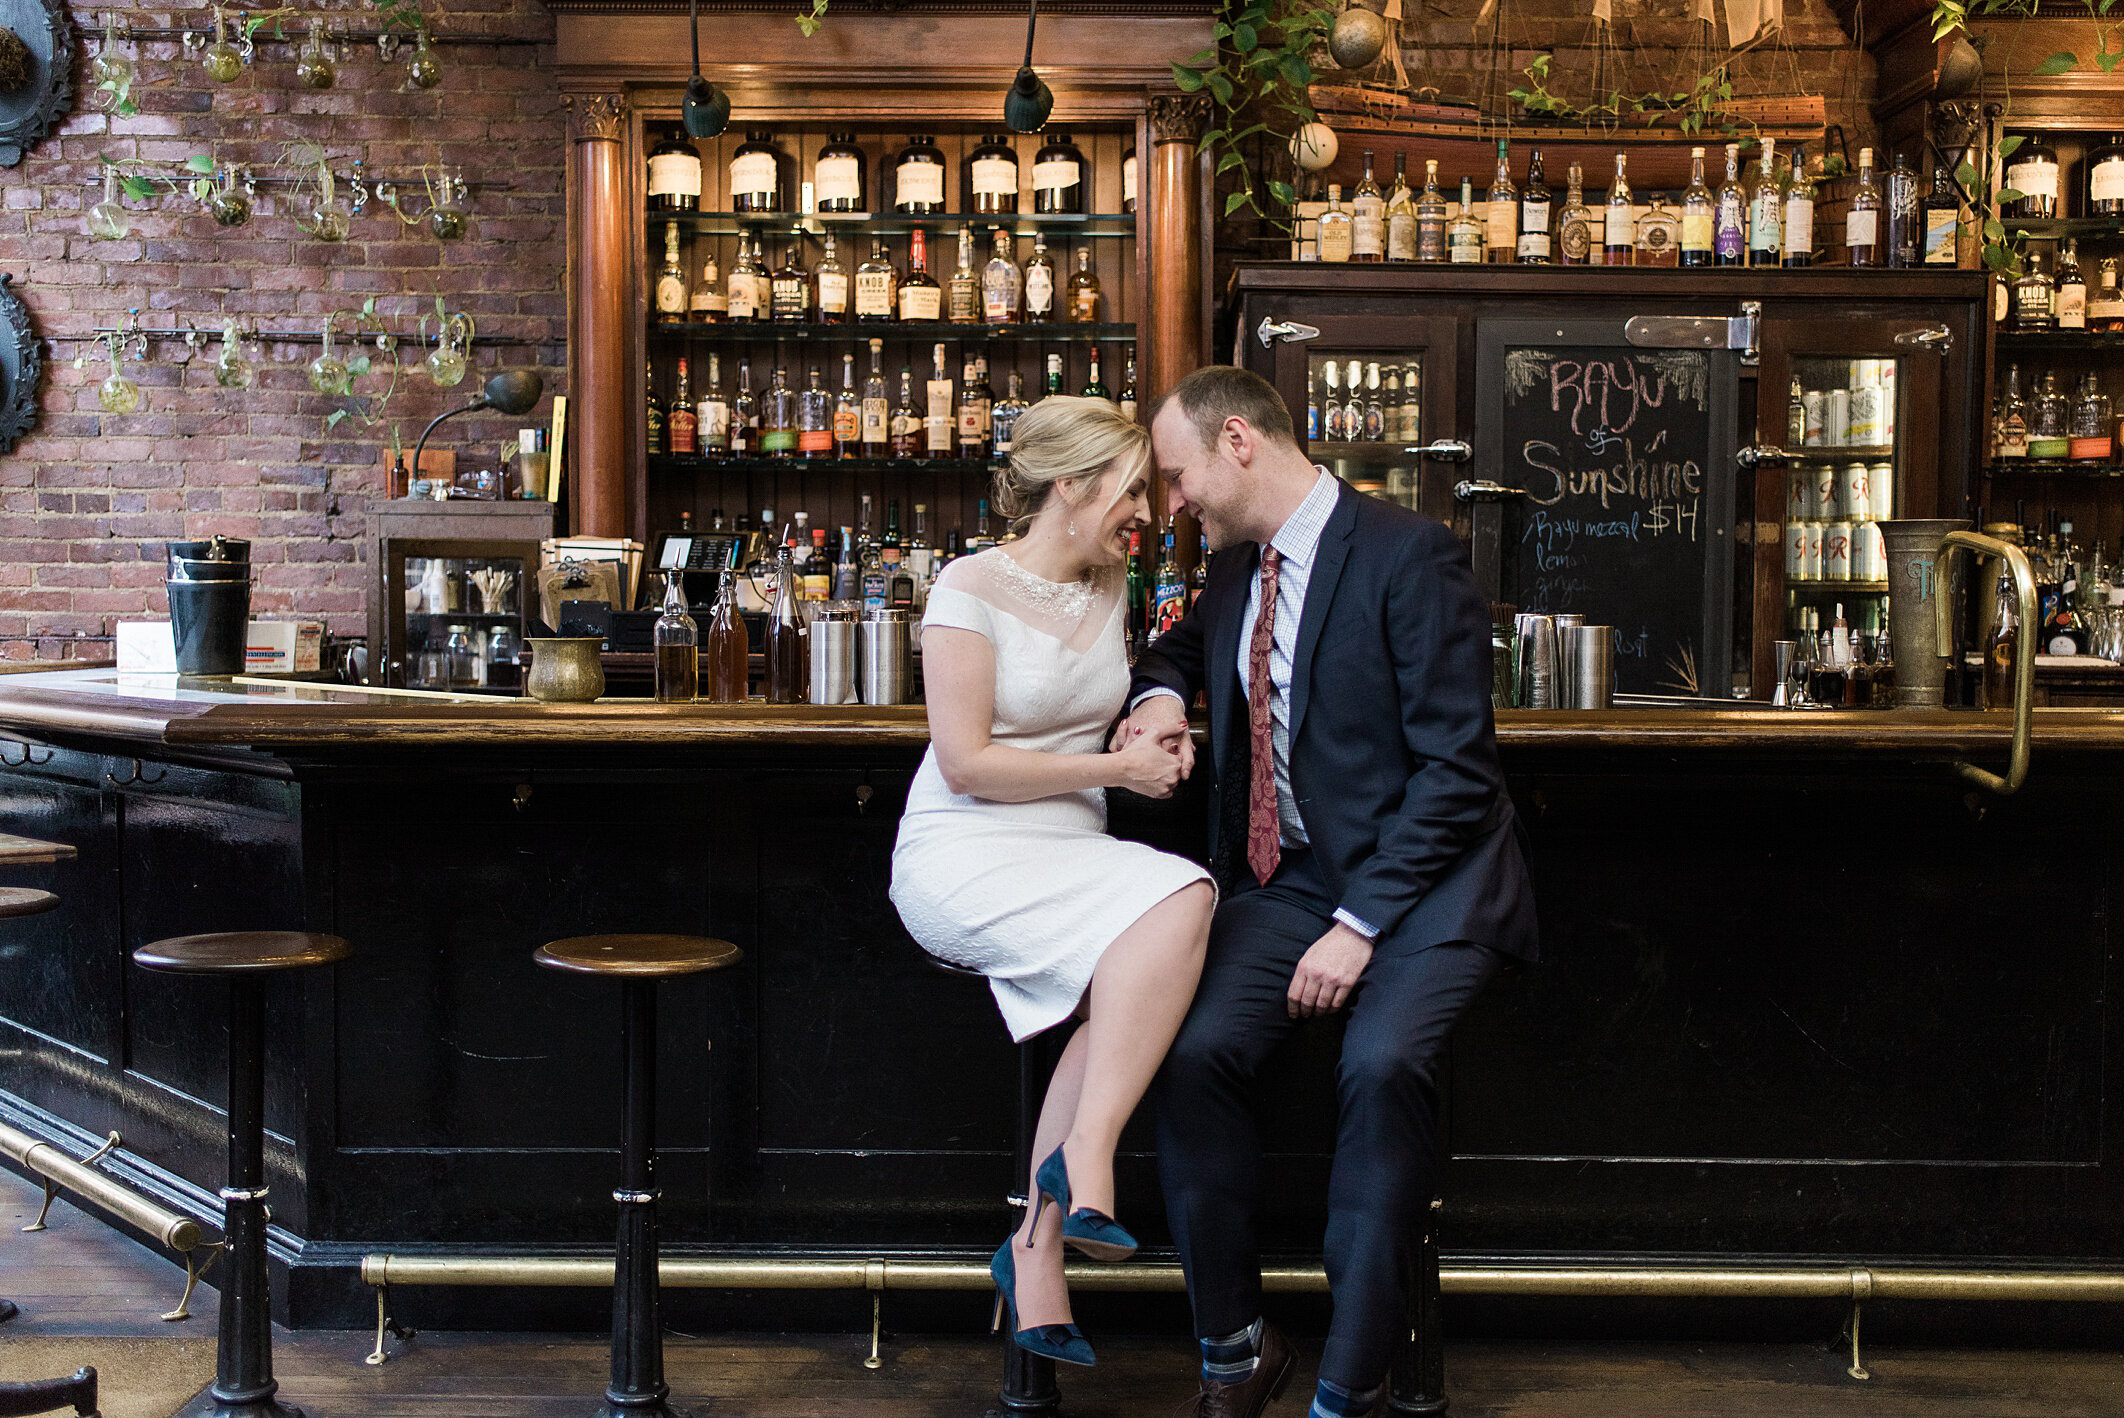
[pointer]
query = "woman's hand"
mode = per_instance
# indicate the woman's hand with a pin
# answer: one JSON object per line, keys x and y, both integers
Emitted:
{"x": 1149, "y": 766}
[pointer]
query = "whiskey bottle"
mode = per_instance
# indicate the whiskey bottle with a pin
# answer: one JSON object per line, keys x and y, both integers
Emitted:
{"x": 1799, "y": 212}
{"x": 2072, "y": 289}
{"x": 814, "y": 419}
{"x": 1699, "y": 215}
{"x": 671, "y": 281}
{"x": 2000, "y": 650}
{"x": 1431, "y": 216}
{"x": 674, "y": 175}
{"x": 1862, "y": 223}
{"x": 756, "y": 174}
{"x": 1058, "y": 176}
{"x": 1574, "y": 223}
{"x": 1501, "y": 214}
{"x": 712, "y": 414}
{"x": 1126, "y": 401}
{"x": 876, "y": 285}
{"x": 1331, "y": 411}
{"x": 681, "y": 423}
{"x": 920, "y": 297}
{"x": 1335, "y": 236}
{"x": 708, "y": 305}
{"x": 1003, "y": 418}
{"x": 1465, "y": 237}
{"x": 1039, "y": 283}
{"x": 653, "y": 439}
{"x": 1374, "y": 429}
{"x": 1367, "y": 217}
{"x": 1619, "y": 226}
{"x": 1401, "y": 214}
{"x": 1942, "y": 219}
{"x": 918, "y": 178}
{"x": 745, "y": 416}
{"x": 726, "y": 659}
{"x": 1054, "y": 375}
{"x": 2105, "y": 178}
{"x": 831, "y": 280}
{"x": 973, "y": 410}
{"x": 837, "y": 176}
{"x": 788, "y": 658}
{"x": 906, "y": 428}
{"x": 748, "y": 293}
{"x": 2032, "y": 171}
{"x": 1536, "y": 246}
{"x": 1002, "y": 285}
{"x": 2034, "y": 297}
{"x": 1658, "y": 234}
{"x": 1094, "y": 386}
{"x": 964, "y": 306}
{"x": 1903, "y": 244}
{"x": 789, "y": 288}
{"x": 992, "y": 177}
{"x": 1729, "y": 236}
{"x": 1766, "y": 244}
{"x": 1168, "y": 593}
{"x": 877, "y": 408}
{"x": 677, "y": 641}
{"x": 1084, "y": 290}
{"x": 778, "y": 417}
{"x": 938, "y": 423}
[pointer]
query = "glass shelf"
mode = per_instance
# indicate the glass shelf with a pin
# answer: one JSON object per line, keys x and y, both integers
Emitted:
{"x": 2044, "y": 341}
{"x": 891, "y": 223}
{"x": 2057, "y": 228}
{"x": 1358, "y": 448}
{"x": 689, "y": 463}
{"x": 1839, "y": 587}
{"x": 760, "y": 332}
{"x": 1839, "y": 453}
{"x": 2054, "y": 467}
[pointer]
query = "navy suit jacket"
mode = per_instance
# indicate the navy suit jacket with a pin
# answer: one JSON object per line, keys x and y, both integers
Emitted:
{"x": 1392, "y": 745}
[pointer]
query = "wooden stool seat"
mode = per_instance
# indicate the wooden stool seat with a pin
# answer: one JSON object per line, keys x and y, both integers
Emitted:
{"x": 950, "y": 969}
{"x": 637, "y": 956}
{"x": 241, "y": 952}
{"x": 19, "y": 851}
{"x": 24, "y": 901}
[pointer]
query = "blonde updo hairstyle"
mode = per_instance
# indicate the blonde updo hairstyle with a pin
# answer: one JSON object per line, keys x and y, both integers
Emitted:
{"x": 1060, "y": 438}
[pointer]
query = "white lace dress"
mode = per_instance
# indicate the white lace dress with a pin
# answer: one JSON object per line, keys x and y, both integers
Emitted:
{"x": 1030, "y": 894}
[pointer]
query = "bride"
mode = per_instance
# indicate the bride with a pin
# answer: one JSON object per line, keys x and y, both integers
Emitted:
{"x": 1003, "y": 864}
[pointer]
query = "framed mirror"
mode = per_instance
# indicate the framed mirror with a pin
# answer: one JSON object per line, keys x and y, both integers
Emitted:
{"x": 21, "y": 365}
{"x": 36, "y": 80}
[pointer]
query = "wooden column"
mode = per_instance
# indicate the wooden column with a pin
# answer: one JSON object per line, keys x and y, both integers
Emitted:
{"x": 1175, "y": 332}
{"x": 599, "y": 328}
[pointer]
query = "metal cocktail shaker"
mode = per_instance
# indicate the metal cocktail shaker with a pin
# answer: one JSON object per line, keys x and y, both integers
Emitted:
{"x": 1588, "y": 654}
{"x": 1537, "y": 661}
{"x": 833, "y": 658}
{"x": 885, "y": 656}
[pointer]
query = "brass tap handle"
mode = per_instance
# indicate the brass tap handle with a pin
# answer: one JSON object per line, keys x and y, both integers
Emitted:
{"x": 2023, "y": 649}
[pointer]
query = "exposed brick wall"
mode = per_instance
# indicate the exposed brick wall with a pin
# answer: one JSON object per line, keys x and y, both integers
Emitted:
{"x": 88, "y": 499}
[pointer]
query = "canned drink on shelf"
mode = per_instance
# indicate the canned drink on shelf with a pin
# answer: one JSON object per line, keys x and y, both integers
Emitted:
{"x": 1826, "y": 508}
{"x": 1869, "y": 554}
{"x": 1836, "y": 417}
{"x": 1853, "y": 500}
{"x": 1865, "y": 402}
{"x": 1811, "y": 414}
{"x": 1800, "y": 495}
{"x": 1811, "y": 552}
{"x": 1887, "y": 380}
{"x": 1880, "y": 489}
{"x": 1796, "y": 549}
{"x": 1836, "y": 551}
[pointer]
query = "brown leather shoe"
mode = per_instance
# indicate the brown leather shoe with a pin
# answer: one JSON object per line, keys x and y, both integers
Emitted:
{"x": 1251, "y": 1395}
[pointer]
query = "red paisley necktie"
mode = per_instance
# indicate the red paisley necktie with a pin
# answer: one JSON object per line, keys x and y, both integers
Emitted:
{"x": 1264, "y": 831}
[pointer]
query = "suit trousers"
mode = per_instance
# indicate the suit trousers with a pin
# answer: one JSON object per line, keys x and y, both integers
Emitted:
{"x": 1386, "y": 1147}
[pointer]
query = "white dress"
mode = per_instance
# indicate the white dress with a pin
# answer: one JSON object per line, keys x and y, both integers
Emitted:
{"x": 1030, "y": 894}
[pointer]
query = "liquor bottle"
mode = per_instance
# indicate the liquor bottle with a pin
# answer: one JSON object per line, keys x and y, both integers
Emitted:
{"x": 1466, "y": 233}
{"x": 1039, "y": 283}
{"x": 712, "y": 413}
{"x": 1658, "y": 234}
{"x": 876, "y": 284}
{"x": 972, "y": 413}
{"x": 1799, "y": 212}
{"x": 1094, "y": 387}
{"x": 788, "y": 657}
{"x": 789, "y": 288}
{"x": 1536, "y": 246}
{"x": 1331, "y": 410}
{"x": 1198, "y": 574}
{"x": 1312, "y": 409}
{"x": 866, "y": 544}
{"x": 678, "y": 646}
{"x": 877, "y": 408}
{"x": 837, "y": 176}
{"x": 1999, "y": 651}
{"x": 873, "y": 576}
{"x": 1390, "y": 406}
{"x": 1054, "y": 375}
{"x": 671, "y": 281}
{"x": 778, "y": 417}
{"x": 918, "y": 178}
{"x": 1501, "y": 214}
{"x": 919, "y": 556}
{"x": 674, "y": 174}
{"x": 905, "y": 431}
{"x": 892, "y": 558}
{"x": 653, "y": 440}
{"x": 1083, "y": 292}
{"x": 1574, "y": 224}
{"x": 708, "y": 305}
{"x": 1765, "y": 240}
{"x": 727, "y": 656}
{"x": 1903, "y": 244}
{"x": 1336, "y": 235}
{"x": 938, "y": 419}
{"x": 2105, "y": 179}
{"x": 1128, "y": 181}
{"x": 814, "y": 419}
{"x": 1138, "y": 593}
{"x": 1431, "y": 216}
{"x": 756, "y": 174}
{"x": 1699, "y": 215}
{"x": 921, "y": 299}
{"x": 2034, "y": 297}
{"x": 963, "y": 302}
{"x": 2011, "y": 441}
{"x": 681, "y": 423}
{"x": 1862, "y": 223}
{"x": 745, "y": 415}
{"x": 818, "y": 569}
{"x": 1729, "y": 238}
{"x": 2093, "y": 429}
{"x": 2105, "y": 303}
{"x": 1367, "y": 217}
{"x": 1003, "y": 418}
{"x": 847, "y": 413}
{"x": 2050, "y": 428}
{"x": 831, "y": 279}
{"x": 982, "y": 538}
{"x": 1619, "y": 228}
{"x": 1168, "y": 593}
{"x": 1942, "y": 219}
{"x": 1373, "y": 429}
{"x": 2033, "y": 172}
{"x": 1002, "y": 284}
{"x": 748, "y": 284}
{"x": 1058, "y": 176}
{"x": 1401, "y": 214}
{"x": 1411, "y": 404}
{"x": 2072, "y": 289}
{"x": 992, "y": 177}
{"x": 1126, "y": 400}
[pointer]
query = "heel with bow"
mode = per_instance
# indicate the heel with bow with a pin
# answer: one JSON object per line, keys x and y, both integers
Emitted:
{"x": 1064, "y": 1343}
{"x": 1093, "y": 1232}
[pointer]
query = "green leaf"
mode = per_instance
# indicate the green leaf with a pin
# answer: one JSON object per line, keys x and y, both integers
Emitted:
{"x": 2000, "y": 258}
{"x": 1209, "y": 140}
{"x": 1994, "y": 230}
{"x": 2109, "y": 62}
{"x": 1283, "y": 192}
{"x": 137, "y": 188}
{"x": 332, "y": 419}
{"x": 1221, "y": 30}
{"x": 1296, "y": 72}
{"x": 2056, "y": 64}
{"x": 1185, "y": 79}
{"x": 1245, "y": 39}
{"x": 368, "y": 307}
{"x": 2009, "y": 194}
{"x": 1965, "y": 175}
{"x": 2008, "y": 144}
{"x": 1228, "y": 162}
{"x": 358, "y": 366}
{"x": 1234, "y": 202}
{"x": 1219, "y": 86}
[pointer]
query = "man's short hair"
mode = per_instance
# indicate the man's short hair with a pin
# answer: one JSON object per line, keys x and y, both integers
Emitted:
{"x": 1217, "y": 392}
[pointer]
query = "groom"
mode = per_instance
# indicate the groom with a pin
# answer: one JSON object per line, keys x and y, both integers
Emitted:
{"x": 1369, "y": 859}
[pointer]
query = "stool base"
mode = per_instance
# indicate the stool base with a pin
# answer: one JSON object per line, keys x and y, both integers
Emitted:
{"x": 654, "y": 1408}
{"x": 7, "y": 1311}
{"x": 206, "y": 1405}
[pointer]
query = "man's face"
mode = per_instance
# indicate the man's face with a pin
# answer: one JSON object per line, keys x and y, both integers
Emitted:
{"x": 1207, "y": 481}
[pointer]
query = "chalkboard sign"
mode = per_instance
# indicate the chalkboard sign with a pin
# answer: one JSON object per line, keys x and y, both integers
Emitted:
{"x": 1623, "y": 457}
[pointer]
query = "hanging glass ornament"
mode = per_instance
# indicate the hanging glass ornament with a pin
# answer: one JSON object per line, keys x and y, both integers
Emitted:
{"x": 231, "y": 369}
{"x": 449, "y": 218}
{"x": 328, "y": 372}
{"x": 314, "y": 68}
{"x": 112, "y": 73}
{"x": 446, "y": 362}
{"x": 108, "y": 220}
{"x": 424, "y": 66}
{"x": 229, "y": 204}
{"x": 117, "y": 394}
{"x": 222, "y": 60}
{"x": 328, "y": 219}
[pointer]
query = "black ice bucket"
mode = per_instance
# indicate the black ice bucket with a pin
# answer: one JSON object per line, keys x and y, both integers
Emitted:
{"x": 209, "y": 587}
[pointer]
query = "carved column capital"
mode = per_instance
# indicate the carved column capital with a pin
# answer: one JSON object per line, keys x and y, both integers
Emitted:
{"x": 595, "y": 118}
{"x": 1179, "y": 118}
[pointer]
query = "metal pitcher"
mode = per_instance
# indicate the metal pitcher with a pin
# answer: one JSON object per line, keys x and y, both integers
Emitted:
{"x": 1913, "y": 546}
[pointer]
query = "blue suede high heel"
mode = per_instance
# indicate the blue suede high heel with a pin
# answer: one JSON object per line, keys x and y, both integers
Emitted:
{"x": 1063, "y": 1342}
{"x": 1092, "y": 1232}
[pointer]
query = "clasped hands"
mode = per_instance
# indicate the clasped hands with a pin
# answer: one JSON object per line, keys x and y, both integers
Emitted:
{"x": 1155, "y": 737}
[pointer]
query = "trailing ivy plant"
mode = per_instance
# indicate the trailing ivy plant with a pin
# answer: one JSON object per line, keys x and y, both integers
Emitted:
{"x": 1698, "y": 105}
{"x": 1257, "y": 72}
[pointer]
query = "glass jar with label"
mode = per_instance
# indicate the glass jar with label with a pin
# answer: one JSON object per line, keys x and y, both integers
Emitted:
{"x": 992, "y": 177}
{"x": 2105, "y": 178}
{"x": 2032, "y": 170}
{"x": 1059, "y": 173}
{"x": 674, "y": 175}
{"x": 837, "y": 177}
{"x": 918, "y": 177}
{"x": 756, "y": 174}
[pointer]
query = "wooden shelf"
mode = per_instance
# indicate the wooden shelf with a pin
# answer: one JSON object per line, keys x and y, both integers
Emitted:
{"x": 2054, "y": 467}
{"x": 1864, "y": 588}
{"x": 1367, "y": 452}
{"x": 2057, "y": 228}
{"x": 1825, "y": 453}
{"x": 1121, "y": 224}
{"x": 2046, "y": 341}
{"x": 688, "y": 463}
{"x": 761, "y": 332}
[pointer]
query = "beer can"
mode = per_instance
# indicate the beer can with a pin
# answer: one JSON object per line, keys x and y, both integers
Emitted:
{"x": 1812, "y": 412}
{"x": 1836, "y": 417}
{"x": 1801, "y": 492}
{"x": 1864, "y": 426}
{"x": 1852, "y": 498}
{"x": 1880, "y": 488}
{"x": 1836, "y": 551}
{"x": 1869, "y": 553}
{"x": 1887, "y": 382}
{"x": 1796, "y": 550}
{"x": 1811, "y": 552}
{"x": 1826, "y": 508}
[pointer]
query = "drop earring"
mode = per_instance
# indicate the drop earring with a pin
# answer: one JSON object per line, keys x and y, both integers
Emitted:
{"x": 1073, "y": 528}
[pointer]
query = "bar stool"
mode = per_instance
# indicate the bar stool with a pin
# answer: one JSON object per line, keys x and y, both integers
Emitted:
{"x": 637, "y": 1389}
{"x": 1417, "y": 1382}
{"x": 1029, "y": 1386}
{"x": 243, "y": 1384}
{"x": 28, "y": 901}
{"x": 76, "y": 1391}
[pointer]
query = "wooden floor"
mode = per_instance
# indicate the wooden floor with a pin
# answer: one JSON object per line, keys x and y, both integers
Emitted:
{"x": 80, "y": 1281}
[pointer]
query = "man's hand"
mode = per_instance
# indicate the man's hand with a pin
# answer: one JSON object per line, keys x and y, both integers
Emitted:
{"x": 1328, "y": 972}
{"x": 1163, "y": 719}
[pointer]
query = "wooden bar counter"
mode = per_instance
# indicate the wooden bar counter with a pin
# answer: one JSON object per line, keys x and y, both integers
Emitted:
{"x": 1806, "y": 996}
